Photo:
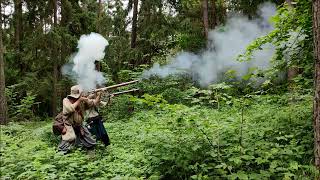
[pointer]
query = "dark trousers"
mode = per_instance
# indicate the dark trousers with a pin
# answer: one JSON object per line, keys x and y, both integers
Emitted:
{"x": 96, "y": 128}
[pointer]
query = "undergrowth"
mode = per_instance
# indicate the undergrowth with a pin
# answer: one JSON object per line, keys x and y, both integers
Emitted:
{"x": 259, "y": 137}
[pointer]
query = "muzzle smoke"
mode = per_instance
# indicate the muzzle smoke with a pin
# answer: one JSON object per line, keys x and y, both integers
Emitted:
{"x": 226, "y": 43}
{"x": 82, "y": 68}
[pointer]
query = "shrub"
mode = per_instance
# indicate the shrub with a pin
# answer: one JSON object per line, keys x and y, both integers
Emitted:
{"x": 174, "y": 96}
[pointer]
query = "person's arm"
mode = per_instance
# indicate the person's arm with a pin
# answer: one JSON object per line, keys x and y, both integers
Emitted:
{"x": 91, "y": 96}
{"x": 92, "y": 102}
{"x": 77, "y": 103}
{"x": 98, "y": 99}
{"x": 68, "y": 107}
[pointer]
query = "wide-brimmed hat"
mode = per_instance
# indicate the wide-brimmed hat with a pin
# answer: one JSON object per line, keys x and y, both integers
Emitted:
{"x": 75, "y": 91}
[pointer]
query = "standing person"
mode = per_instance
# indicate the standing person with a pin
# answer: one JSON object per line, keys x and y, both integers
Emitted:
{"x": 95, "y": 123}
{"x": 74, "y": 106}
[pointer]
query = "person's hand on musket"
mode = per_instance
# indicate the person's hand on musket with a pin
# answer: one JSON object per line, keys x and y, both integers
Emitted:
{"x": 108, "y": 96}
{"x": 97, "y": 97}
{"x": 110, "y": 99}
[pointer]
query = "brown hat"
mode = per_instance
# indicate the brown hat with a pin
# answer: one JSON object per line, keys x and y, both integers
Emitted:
{"x": 75, "y": 91}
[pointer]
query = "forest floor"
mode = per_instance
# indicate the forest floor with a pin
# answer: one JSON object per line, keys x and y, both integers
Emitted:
{"x": 271, "y": 138}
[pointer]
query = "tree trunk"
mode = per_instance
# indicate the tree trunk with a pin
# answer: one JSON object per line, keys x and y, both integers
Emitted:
{"x": 98, "y": 27}
{"x": 55, "y": 64}
{"x": 214, "y": 14}
{"x": 18, "y": 32}
{"x": 18, "y": 23}
{"x": 205, "y": 17}
{"x": 65, "y": 12}
{"x": 316, "y": 104}
{"x": 134, "y": 24}
{"x": 3, "y": 102}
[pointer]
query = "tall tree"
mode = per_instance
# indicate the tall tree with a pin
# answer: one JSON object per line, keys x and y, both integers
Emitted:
{"x": 134, "y": 24}
{"x": 55, "y": 63}
{"x": 205, "y": 17}
{"x": 98, "y": 25}
{"x": 3, "y": 102}
{"x": 18, "y": 32}
{"x": 316, "y": 105}
{"x": 214, "y": 14}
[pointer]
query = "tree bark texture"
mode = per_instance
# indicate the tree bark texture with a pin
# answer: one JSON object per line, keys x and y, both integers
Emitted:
{"x": 55, "y": 64}
{"x": 18, "y": 23}
{"x": 214, "y": 14}
{"x": 205, "y": 17}
{"x": 316, "y": 104}
{"x": 3, "y": 102}
{"x": 134, "y": 24}
{"x": 18, "y": 32}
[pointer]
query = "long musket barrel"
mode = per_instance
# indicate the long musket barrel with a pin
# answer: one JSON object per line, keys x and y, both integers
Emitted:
{"x": 114, "y": 86}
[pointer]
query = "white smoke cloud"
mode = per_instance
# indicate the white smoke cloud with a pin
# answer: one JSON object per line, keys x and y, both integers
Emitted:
{"x": 226, "y": 43}
{"x": 82, "y": 68}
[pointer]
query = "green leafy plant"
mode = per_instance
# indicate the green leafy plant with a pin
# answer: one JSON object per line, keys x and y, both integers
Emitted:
{"x": 256, "y": 137}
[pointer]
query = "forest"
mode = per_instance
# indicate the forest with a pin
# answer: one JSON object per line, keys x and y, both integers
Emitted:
{"x": 218, "y": 89}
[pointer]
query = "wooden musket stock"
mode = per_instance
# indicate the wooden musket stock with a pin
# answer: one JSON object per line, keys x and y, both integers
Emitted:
{"x": 114, "y": 86}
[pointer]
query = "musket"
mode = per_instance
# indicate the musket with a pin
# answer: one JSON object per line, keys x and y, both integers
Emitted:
{"x": 108, "y": 88}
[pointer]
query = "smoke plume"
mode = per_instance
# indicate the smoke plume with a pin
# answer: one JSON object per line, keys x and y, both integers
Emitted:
{"x": 225, "y": 44}
{"x": 82, "y": 68}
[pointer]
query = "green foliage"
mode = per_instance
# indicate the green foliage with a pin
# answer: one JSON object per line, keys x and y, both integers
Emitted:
{"x": 171, "y": 129}
{"x": 292, "y": 38}
{"x": 121, "y": 108}
{"x": 23, "y": 110}
{"x": 156, "y": 85}
{"x": 250, "y": 8}
{"x": 177, "y": 142}
{"x": 148, "y": 101}
{"x": 21, "y": 106}
{"x": 214, "y": 96}
{"x": 174, "y": 95}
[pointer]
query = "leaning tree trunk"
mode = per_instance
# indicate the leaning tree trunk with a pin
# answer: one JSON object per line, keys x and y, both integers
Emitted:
{"x": 205, "y": 17}
{"x": 316, "y": 104}
{"x": 3, "y": 102}
{"x": 134, "y": 24}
